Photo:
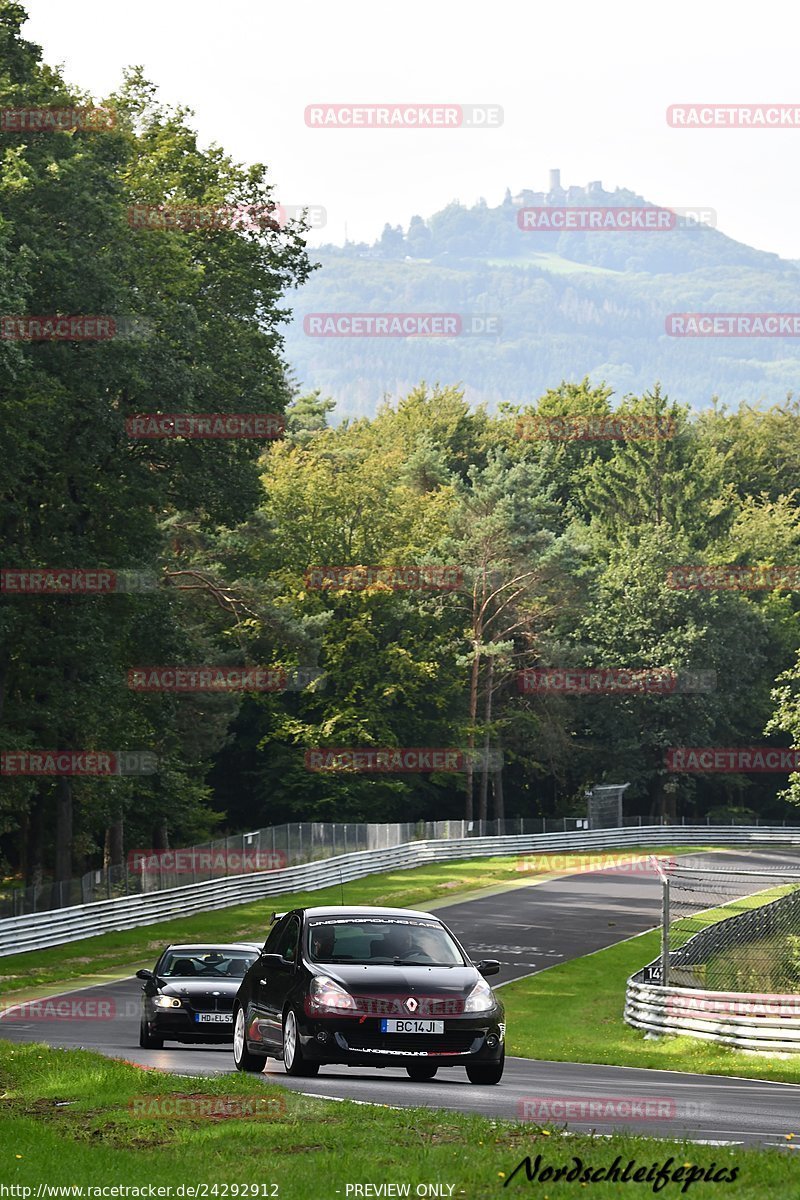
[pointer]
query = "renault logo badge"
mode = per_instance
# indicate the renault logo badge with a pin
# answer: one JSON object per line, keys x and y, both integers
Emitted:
{"x": 411, "y": 1004}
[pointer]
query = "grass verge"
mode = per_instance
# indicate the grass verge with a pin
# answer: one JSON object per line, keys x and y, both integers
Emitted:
{"x": 75, "y": 1118}
{"x": 573, "y": 1013}
{"x": 124, "y": 951}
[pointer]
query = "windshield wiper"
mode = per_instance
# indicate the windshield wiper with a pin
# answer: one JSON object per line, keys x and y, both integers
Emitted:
{"x": 413, "y": 962}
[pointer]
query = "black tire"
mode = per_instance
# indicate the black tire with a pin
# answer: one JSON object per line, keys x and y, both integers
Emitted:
{"x": 244, "y": 1059}
{"x": 486, "y": 1073}
{"x": 293, "y": 1061}
{"x": 421, "y": 1072}
{"x": 148, "y": 1040}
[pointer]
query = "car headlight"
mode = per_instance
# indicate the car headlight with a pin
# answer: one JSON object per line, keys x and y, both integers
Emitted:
{"x": 480, "y": 999}
{"x": 327, "y": 993}
{"x": 167, "y": 1002}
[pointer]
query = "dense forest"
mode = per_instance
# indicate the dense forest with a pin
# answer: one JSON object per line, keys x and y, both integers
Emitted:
{"x": 557, "y": 551}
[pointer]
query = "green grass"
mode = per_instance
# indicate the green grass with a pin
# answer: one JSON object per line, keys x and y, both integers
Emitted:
{"x": 69, "y": 1117}
{"x": 771, "y": 964}
{"x": 110, "y": 954}
{"x": 545, "y": 261}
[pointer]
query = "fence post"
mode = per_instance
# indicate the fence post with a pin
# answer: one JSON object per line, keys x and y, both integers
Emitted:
{"x": 665, "y": 932}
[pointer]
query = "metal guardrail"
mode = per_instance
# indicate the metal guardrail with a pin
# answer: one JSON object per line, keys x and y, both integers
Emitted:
{"x": 264, "y": 849}
{"x": 279, "y": 846}
{"x": 741, "y": 1019}
{"x": 59, "y": 926}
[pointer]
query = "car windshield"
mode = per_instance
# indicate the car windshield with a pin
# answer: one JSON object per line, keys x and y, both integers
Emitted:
{"x": 382, "y": 940}
{"x": 206, "y": 963}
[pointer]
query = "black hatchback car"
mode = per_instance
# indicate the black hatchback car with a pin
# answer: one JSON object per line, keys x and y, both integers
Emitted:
{"x": 188, "y": 996}
{"x": 379, "y": 987}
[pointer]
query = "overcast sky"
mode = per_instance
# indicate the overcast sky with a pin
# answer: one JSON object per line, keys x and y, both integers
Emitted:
{"x": 583, "y": 86}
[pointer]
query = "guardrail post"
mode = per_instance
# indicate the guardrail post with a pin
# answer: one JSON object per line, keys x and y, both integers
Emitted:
{"x": 665, "y": 932}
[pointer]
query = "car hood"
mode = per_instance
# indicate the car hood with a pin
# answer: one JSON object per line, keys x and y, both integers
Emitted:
{"x": 387, "y": 980}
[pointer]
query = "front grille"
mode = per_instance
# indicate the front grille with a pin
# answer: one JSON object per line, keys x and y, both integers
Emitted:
{"x": 453, "y": 1042}
{"x": 211, "y": 1003}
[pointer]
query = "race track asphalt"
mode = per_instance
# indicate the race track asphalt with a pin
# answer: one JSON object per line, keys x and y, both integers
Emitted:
{"x": 528, "y": 928}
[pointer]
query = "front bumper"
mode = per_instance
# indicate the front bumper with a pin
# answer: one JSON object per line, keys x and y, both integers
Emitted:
{"x": 180, "y": 1025}
{"x": 352, "y": 1041}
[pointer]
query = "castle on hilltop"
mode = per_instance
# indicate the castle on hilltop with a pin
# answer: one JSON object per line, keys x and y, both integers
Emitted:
{"x": 557, "y": 194}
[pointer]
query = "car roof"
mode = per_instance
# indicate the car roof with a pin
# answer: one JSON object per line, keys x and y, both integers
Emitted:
{"x": 363, "y": 910}
{"x": 214, "y": 946}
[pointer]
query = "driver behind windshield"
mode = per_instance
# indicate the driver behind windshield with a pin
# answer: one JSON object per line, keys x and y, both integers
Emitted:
{"x": 401, "y": 943}
{"x": 322, "y": 941}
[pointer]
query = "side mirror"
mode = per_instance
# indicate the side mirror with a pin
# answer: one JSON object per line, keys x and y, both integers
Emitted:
{"x": 272, "y": 960}
{"x": 488, "y": 966}
{"x": 144, "y": 974}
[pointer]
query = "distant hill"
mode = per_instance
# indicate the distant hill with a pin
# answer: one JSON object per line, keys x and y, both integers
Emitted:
{"x": 570, "y": 304}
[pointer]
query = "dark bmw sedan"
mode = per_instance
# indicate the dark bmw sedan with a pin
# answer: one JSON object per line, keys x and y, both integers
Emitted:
{"x": 379, "y": 987}
{"x": 188, "y": 996}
